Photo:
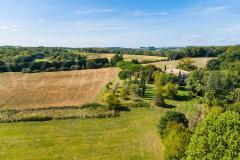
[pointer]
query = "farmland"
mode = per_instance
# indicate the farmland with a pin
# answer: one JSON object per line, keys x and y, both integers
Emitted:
{"x": 199, "y": 62}
{"x": 126, "y": 57}
{"x": 133, "y": 135}
{"x": 40, "y": 90}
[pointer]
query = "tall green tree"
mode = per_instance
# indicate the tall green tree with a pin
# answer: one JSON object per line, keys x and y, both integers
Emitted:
{"x": 217, "y": 137}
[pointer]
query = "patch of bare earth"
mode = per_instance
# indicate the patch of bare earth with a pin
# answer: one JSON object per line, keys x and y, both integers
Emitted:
{"x": 40, "y": 90}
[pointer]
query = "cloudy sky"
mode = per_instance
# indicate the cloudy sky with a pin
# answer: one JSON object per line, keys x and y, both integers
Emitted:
{"x": 125, "y": 23}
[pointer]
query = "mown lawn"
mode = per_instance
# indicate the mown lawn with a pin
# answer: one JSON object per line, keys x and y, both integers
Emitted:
{"x": 132, "y": 136}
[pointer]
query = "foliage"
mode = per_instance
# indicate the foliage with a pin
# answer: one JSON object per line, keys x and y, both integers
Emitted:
{"x": 217, "y": 137}
{"x": 217, "y": 86}
{"x": 90, "y": 110}
{"x": 170, "y": 90}
{"x": 149, "y": 72}
{"x": 186, "y": 64}
{"x": 232, "y": 54}
{"x": 116, "y": 58}
{"x": 112, "y": 101}
{"x": 97, "y": 63}
{"x": 171, "y": 117}
{"x": 128, "y": 66}
{"x": 159, "y": 100}
{"x": 162, "y": 79}
{"x": 213, "y": 64}
{"x": 176, "y": 141}
{"x": 194, "y": 82}
{"x": 123, "y": 75}
{"x": 134, "y": 89}
{"x": 138, "y": 104}
{"x": 124, "y": 91}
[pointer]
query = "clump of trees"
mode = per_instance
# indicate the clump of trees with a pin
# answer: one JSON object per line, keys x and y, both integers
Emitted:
{"x": 173, "y": 129}
{"x": 112, "y": 101}
{"x": 217, "y": 137}
{"x": 186, "y": 64}
{"x": 165, "y": 87}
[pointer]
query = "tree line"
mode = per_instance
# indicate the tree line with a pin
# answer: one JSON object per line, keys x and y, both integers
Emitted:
{"x": 41, "y": 59}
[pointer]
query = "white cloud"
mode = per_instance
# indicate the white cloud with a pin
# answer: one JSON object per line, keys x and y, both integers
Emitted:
{"x": 191, "y": 37}
{"x": 213, "y": 10}
{"x": 4, "y": 27}
{"x": 94, "y": 11}
{"x": 138, "y": 13}
{"x": 40, "y": 20}
{"x": 12, "y": 28}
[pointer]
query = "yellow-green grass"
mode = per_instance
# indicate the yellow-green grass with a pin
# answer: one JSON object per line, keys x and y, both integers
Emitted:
{"x": 127, "y": 57}
{"x": 131, "y": 136}
{"x": 199, "y": 62}
{"x": 43, "y": 60}
{"x": 183, "y": 104}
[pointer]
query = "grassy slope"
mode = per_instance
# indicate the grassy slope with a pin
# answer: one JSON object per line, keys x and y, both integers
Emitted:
{"x": 133, "y": 135}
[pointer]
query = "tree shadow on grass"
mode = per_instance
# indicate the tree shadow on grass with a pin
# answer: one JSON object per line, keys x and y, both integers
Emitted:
{"x": 124, "y": 109}
{"x": 183, "y": 98}
{"x": 168, "y": 106}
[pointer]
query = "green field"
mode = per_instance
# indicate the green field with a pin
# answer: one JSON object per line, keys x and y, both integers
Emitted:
{"x": 132, "y": 136}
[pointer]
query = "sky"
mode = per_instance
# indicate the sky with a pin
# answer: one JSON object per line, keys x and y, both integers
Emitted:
{"x": 119, "y": 23}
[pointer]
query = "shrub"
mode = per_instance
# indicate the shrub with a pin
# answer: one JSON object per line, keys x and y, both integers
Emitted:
{"x": 186, "y": 64}
{"x": 123, "y": 75}
{"x": 91, "y": 106}
{"x": 75, "y": 67}
{"x": 138, "y": 104}
{"x": 116, "y": 58}
{"x": 176, "y": 141}
{"x": 63, "y": 69}
{"x": 36, "y": 71}
{"x": 235, "y": 107}
{"x": 217, "y": 137}
{"x": 112, "y": 102}
{"x": 26, "y": 70}
{"x": 159, "y": 100}
{"x": 171, "y": 117}
{"x": 51, "y": 69}
{"x": 36, "y": 118}
{"x": 170, "y": 90}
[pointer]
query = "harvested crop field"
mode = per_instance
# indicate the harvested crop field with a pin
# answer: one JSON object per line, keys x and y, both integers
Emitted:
{"x": 41, "y": 90}
{"x": 127, "y": 57}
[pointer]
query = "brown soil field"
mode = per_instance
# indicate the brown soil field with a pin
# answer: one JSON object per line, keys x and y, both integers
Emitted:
{"x": 126, "y": 57}
{"x": 49, "y": 89}
{"x": 199, "y": 62}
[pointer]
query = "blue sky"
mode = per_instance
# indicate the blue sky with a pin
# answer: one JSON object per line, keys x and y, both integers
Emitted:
{"x": 124, "y": 23}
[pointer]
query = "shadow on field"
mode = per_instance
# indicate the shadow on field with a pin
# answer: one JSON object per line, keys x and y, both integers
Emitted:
{"x": 124, "y": 108}
{"x": 168, "y": 106}
{"x": 183, "y": 98}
